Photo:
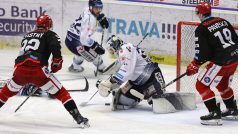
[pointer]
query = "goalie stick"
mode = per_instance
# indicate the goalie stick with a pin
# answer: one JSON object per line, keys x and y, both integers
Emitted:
{"x": 142, "y": 39}
{"x": 142, "y": 96}
{"x": 86, "y": 102}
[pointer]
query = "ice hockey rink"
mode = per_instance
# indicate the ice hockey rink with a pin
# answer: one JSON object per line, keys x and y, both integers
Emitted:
{"x": 41, "y": 115}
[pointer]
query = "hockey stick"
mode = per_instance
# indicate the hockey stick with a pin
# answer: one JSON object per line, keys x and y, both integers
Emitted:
{"x": 142, "y": 39}
{"x": 86, "y": 102}
{"x": 141, "y": 96}
{"x": 81, "y": 90}
{"x": 99, "y": 56}
{"x": 36, "y": 88}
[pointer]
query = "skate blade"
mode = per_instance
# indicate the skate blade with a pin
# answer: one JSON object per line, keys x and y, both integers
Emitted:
{"x": 84, "y": 125}
{"x": 230, "y": 118}
{"x": 215, "y": 122}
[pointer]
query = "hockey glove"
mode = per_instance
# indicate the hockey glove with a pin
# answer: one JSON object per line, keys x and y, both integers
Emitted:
{"x": 56, "y": 64}
{"x": 98, "y": 48}
{"x": 103, "y": 21}
{"x": 104, "y": 87}
{"x": 192, "y": 68}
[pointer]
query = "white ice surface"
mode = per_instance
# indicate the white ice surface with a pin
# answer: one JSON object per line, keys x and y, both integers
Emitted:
{"x": 45, "y": 116}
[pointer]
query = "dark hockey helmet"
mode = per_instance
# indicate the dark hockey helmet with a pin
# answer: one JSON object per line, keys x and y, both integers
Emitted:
{"x": 95, "y": 3}
{"x": 203, "y": 8}
{"x": 114, "y": 43}
{"x": 44, "y": 21}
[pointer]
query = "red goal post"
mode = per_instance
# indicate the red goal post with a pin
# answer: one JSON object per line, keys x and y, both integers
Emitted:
{"x": 185, "y": 54}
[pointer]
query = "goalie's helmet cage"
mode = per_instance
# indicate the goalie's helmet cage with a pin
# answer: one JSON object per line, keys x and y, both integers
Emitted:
{"x": 44, "y": 21}
{"x": 95, "y": 3}
{"x": 114, "y": 43}
{"x": 203, "y": 8}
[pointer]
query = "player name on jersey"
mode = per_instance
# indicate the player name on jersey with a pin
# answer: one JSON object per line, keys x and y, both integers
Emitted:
{"x": 217, "y": 26}
{"x": 37, "y": 35}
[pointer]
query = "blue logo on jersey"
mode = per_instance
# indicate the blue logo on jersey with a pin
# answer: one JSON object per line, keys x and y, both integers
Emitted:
{"x": 47, "y": 71}
{"x": 207, "y": 79}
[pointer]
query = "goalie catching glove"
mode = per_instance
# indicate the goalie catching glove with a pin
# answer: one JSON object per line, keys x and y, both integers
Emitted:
{"x": 106, "y": 86}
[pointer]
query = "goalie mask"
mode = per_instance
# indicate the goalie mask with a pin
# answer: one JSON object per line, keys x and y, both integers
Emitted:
{"x": 114, "y": 44}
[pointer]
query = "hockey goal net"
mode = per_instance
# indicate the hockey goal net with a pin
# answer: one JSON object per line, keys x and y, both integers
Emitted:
{"x": 185, "y": 54}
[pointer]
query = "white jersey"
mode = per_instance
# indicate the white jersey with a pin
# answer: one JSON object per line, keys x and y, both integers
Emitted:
{"x": 133, "y": 62}
{"x": 84, "y": 27}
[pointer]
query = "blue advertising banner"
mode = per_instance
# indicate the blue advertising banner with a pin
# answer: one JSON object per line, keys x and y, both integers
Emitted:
{"x": 16, "y": 26}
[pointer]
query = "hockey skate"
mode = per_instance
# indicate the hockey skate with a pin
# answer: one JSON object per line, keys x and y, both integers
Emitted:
{"x": 82, "y": 121}
{"x": 74, "y": 70}
{"x": 230, "y": 113}
{"x": 213, "y": 118}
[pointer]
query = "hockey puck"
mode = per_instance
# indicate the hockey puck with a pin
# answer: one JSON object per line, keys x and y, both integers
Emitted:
{"x": 107, "y": 104}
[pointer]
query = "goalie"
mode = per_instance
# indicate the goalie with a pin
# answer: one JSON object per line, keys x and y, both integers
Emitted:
{"x": 137, "y": 72}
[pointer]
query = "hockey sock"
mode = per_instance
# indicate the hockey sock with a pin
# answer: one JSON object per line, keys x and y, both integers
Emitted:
{"x": 230, "y": 103}
{"x": 70, "y": 105}
{"x": 5, "y": 93}
{"x": 1, "y": 104}
{"x": 211, "y": 105}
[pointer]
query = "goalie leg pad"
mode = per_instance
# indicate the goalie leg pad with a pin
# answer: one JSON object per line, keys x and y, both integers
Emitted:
{"x": 122, "y": 102}
{"x": 172, "y": 102}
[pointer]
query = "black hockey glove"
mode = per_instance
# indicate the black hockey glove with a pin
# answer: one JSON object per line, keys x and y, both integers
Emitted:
{"x": 98, "y": 48}
{"x": 103, "y": 21}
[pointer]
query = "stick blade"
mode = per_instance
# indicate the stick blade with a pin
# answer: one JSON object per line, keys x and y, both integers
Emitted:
{"x": 83, "y": 104}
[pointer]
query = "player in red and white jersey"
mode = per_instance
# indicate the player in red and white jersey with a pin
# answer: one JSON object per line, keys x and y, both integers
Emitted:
{"x": 217, "y": 43}
{"x": 31, "y": 66}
